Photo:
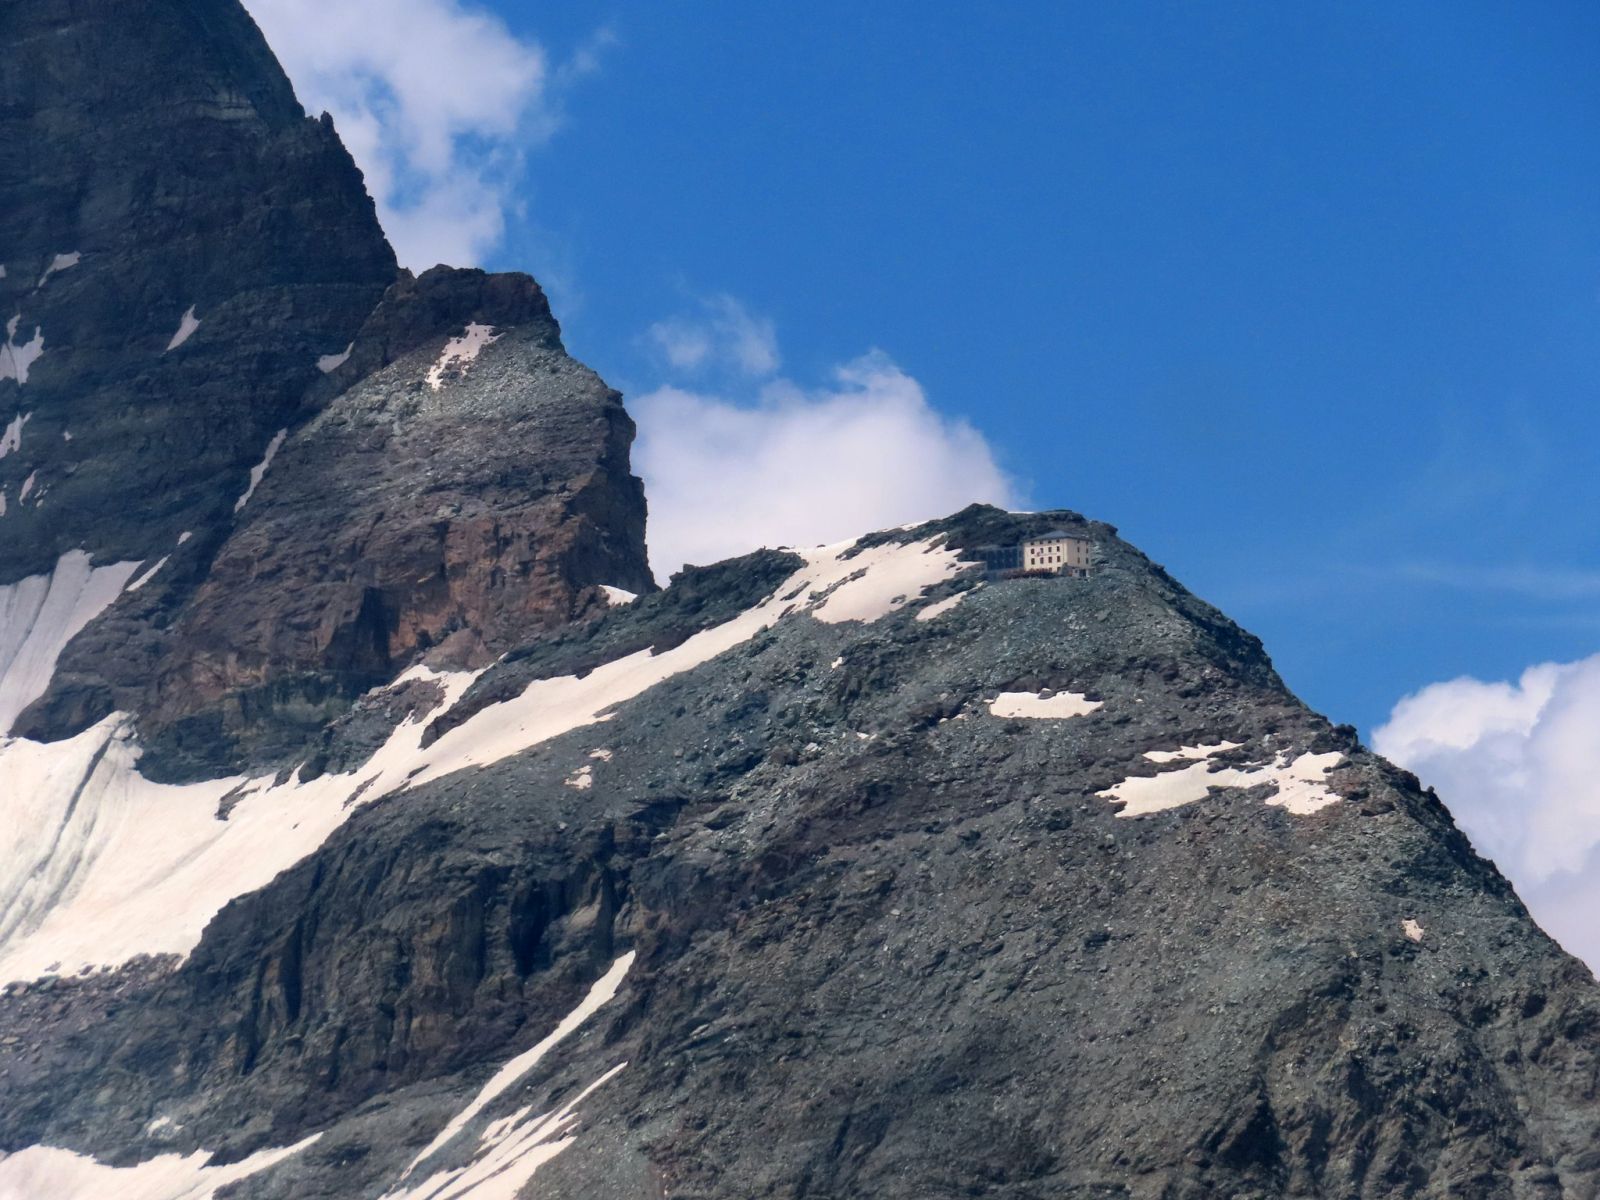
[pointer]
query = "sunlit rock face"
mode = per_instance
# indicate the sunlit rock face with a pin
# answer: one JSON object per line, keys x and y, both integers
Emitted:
{"x": 1059, "y": 880}
{"x": 462, "y": 486}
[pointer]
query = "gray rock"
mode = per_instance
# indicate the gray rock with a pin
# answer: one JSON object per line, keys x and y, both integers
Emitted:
{"x": 929, "y": 962}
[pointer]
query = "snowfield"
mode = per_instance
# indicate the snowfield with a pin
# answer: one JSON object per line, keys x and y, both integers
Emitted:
{"x": 45, "y": 1171}
{"x": 102, "y": 864}
{"x": 99, "y": 864}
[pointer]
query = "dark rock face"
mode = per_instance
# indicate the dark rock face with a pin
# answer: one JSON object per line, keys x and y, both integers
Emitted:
{"x": 156, "y": 165}
{"x": 441, "y": 506}
{"x": 399, "y": 515}
{"x": 889, "y": 943}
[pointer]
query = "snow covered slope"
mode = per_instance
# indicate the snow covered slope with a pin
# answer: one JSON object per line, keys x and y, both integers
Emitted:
{"x": 40, "y": 614}
{"x": 100, "y": 864}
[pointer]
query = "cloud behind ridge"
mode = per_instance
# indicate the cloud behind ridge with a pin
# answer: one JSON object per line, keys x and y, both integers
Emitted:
{"x": 441, "y": 159}
{"x": 1518, "y": 764}
{"x": 800, "y": 466}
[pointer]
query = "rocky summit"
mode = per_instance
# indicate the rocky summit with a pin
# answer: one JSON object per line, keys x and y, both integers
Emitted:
{"x": 377, "y": 828}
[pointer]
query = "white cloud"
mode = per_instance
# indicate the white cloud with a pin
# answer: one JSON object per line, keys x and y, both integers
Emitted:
{"x": 1519, "y": 766}
{"x": 800, "y": 466}
{"x": 726, "y": 334}
{"x": 436, "y": 101}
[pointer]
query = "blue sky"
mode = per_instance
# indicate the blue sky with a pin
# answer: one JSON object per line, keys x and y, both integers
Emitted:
{"x": 1302, "y": 298}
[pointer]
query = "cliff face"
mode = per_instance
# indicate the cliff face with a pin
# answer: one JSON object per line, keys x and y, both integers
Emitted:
{"x": 180, "y": 243}
{"x": 463, "y": 486}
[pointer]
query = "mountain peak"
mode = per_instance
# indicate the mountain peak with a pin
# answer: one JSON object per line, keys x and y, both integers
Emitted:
{"x": 377, "y": 827}
{"x": 890, "y": 844}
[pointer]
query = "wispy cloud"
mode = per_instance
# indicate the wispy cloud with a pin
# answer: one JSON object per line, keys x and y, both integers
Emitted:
{"x": 722, "y": 334}
{"x": 437, "y": 101}
{"x": 1528, "y": 580}
{"x": 769, "y": 461}
{"x": 1296, "y": 584}
{"x": 1518, "y": 763}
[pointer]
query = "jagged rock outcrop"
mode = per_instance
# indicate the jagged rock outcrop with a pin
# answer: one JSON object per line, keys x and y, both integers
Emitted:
{"x": 463, "y": 485}
{"x": 180, "y": 243}
{"x": 892, "y": 882}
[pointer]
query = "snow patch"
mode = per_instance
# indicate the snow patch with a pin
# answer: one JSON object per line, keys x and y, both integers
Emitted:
{"x": 582, "y": 779}
{"x": 27, "y": 486}
{"x": 1412, "y": 929}
{"x": 15, "y": 360}
{"x": 39, "y": 615}
{"x": 257, "y": 471}
{"x": 1058, "y": 705}
{"x": 146, "y": 576}
{"x": 185, "y": 536}
{"x": 603, "y": 755}
{"x": 187, "y": 324}
{"x": 891, "y": 576}
{"x": 463, "y": 349}
{"x": 603, "y": 990}
{"x": 60, "y": 262}
{"x": 46, "y": 1171}
{"x": 617, "y": 597}
{"x": 11, "y": 439}
{"x": 1300, "y": 782}
{"x": 878, "y": 582}
{"x": 512, "y": 1151}
{"x": 943, "y": 606}
{"x": 329, "y": 363}
{"x": 1302, "y": 787}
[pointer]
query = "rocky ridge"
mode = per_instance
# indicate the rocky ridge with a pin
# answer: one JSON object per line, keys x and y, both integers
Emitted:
{"x": 180, "y": 243}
